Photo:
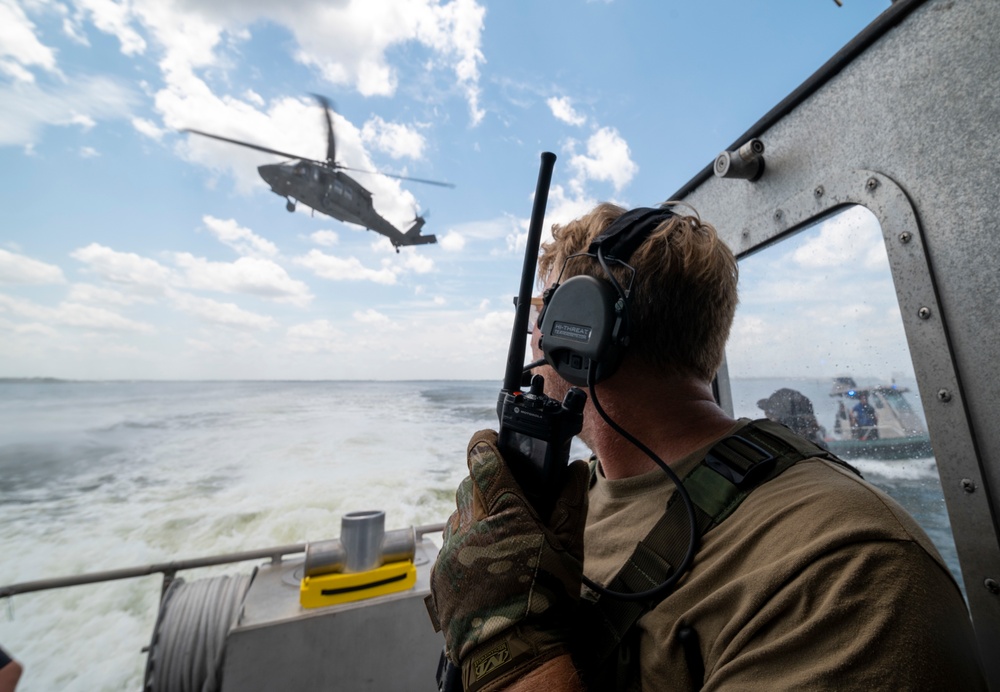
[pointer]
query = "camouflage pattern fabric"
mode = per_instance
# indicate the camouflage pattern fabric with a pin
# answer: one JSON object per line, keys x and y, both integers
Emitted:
{"x": 505, "y": 584}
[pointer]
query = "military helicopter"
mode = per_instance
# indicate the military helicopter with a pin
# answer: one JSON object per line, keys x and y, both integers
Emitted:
{"x": 322, "y": 185}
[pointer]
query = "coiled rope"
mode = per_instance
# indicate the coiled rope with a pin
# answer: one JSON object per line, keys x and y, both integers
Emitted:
{"x": 189, "y": 639}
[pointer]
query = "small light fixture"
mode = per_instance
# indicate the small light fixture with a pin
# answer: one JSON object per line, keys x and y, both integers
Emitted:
{"x": 746, "y": 163}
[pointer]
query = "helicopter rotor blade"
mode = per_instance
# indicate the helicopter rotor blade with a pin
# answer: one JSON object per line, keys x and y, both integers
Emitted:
{"x": 400, "y": 177}
{"x": 331, "y": 144}
{"x": 266, "y": 150}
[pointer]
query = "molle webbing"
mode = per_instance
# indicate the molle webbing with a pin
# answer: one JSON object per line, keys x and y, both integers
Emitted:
{"x": 731, "y": 470}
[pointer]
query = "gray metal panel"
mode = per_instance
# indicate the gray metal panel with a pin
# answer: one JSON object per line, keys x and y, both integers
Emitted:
{"x": 922, "y": 107}
{"x": 384, "y": 643}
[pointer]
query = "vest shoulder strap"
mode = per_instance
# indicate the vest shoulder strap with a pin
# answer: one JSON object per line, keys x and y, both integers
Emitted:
{"x": 731, "y": 470}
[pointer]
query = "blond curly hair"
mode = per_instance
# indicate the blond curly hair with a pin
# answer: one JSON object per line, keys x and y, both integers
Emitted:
{"x": 684, "y": 295}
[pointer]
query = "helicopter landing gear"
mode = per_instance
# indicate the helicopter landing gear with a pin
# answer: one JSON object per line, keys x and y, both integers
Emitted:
{"x": 290, "y": 204}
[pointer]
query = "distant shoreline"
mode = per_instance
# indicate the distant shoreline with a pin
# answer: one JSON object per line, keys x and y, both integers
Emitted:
{"x": 33, "y": 380}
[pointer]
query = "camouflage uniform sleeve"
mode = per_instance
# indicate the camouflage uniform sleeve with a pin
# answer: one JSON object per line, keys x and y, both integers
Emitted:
{"x": 505, "y": 584}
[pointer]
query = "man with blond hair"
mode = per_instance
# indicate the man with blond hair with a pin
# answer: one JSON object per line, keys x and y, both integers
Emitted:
{"x": 777, "y": 568}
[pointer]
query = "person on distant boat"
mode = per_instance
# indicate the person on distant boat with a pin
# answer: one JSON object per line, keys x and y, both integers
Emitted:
{"x": 797, "y": 574}
{"x": 842, "y": 422}
{"x": 10, "y": 672}
{"x": 793, "y": 409}
{"x": 864, "y": 420}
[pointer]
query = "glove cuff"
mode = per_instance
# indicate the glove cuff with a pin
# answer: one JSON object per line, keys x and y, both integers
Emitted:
{"x": 500, "y": 661}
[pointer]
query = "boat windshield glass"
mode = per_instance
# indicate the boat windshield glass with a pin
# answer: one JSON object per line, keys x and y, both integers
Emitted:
{"x": 818, "y": 345}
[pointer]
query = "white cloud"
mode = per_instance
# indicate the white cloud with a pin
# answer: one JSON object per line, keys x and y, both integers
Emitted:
{"x": 350, "y": 269}
{"x": 19, "y": 48}
{"x": 371, "y": 316}
{"x": 148, "y": 128}
{"x": 608, "y": 159}
{"x": 836, "y": 244}
{"x": 253, "y": 97}
{"x": 489, "y": 229}
{"x": 89, "y": 152}
{"x": 251, "y": 275}
{"x": 416, "y": 262}
{"x": 347, "y": 42}
{"x": 562, "y": 109}
{"x": 82, "y": 119}
{"x": 78, "y": 315}
{"x": 12, "y": 69}
{"x": 452, "y": 241}
{"x": 89, "y": 293}
{"x": 325, "y": 238}
{"x": 123, "y": 267}
{"x": 28, "y": 108}
{"x": 561, "y": 209}
{"x": 564, "y": 207}
{"x": 72, "y": 315}
{"x": 396, "y": 140}
{"x": 315, "y": 337}
{"x": 73, "y": 32}
{"x": 33, "y": 328}
{"x": 243, "y": 240}
{"x": 857, "y": 326}
{"x": 215, "y": 312}
{"x": 116, "y": 19}
{"x": 248, "y": 275}
{"x": 226, "y": 342}
{"x": 19, "y": 269}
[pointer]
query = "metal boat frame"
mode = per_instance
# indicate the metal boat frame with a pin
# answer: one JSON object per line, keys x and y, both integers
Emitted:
{"x": 905, "y": 121}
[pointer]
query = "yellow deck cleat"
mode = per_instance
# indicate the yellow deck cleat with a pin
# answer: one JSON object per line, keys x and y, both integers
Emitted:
{"x": 331, "y": 589}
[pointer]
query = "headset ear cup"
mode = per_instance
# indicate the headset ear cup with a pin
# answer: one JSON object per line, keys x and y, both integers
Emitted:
{"x": 577, "y": 328}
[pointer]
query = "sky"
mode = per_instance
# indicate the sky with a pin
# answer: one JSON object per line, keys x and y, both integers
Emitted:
{"x": 131, "y": 250}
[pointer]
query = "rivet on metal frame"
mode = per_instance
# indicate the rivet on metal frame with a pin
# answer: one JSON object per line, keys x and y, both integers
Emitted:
{"x": 992, "y": 585}
{"x": 924, "y": 313}
{"x": 944, "y": 396}
{"x": 968, "y": 485}
{"x": 905, "y": 237}
{"x": 818, "y": 192}
{"x": 871, "y": 184}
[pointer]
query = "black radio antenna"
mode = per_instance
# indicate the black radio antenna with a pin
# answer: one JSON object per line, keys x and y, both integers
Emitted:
{"x": 515, "y": 354}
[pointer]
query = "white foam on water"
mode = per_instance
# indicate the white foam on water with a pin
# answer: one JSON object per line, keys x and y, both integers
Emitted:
{"x": 902, "y": 469}
{"x": 155, "y": 472}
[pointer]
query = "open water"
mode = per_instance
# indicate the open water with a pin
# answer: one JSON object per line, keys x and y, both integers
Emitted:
{"x": 104, "y": 475}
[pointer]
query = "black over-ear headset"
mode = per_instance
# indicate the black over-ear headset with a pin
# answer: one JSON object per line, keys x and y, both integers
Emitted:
{"x": 585, "y": 322}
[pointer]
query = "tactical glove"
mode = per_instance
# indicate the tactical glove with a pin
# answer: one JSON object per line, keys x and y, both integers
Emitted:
{"x": 506, "y": 584}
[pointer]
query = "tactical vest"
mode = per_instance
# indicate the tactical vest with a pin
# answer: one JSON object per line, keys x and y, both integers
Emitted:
{"x": 608, "y": 656}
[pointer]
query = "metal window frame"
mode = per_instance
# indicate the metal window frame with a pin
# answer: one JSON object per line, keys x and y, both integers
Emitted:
{"x": 959, "y": 462}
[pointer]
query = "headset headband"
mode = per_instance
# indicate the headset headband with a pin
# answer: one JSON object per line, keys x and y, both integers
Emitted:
{"x": 626, "y": 233}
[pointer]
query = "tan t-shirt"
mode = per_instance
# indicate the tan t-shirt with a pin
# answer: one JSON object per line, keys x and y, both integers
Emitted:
{"x": 817, "y": 581}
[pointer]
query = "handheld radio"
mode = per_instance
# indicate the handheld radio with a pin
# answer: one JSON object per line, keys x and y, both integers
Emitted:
{"x": 535, "y": 430}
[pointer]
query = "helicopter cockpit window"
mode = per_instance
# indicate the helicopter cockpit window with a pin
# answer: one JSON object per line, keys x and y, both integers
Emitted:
{"x": 337, "y": 187}
{"x": 348, "y": 193}
{"x": 818, "y": 345}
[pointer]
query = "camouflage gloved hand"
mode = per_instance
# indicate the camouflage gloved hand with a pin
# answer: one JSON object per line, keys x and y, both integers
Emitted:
{"x": 505, "y": 585}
